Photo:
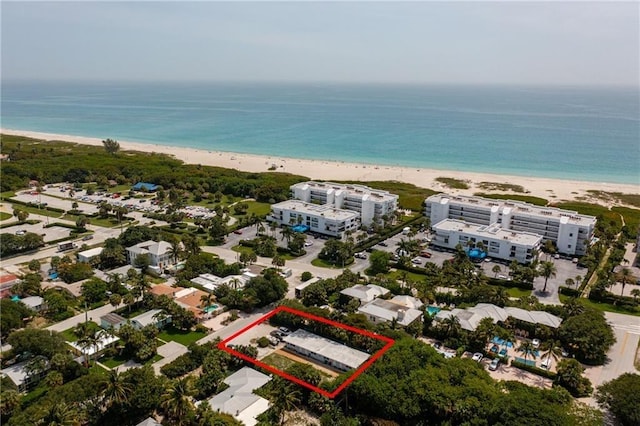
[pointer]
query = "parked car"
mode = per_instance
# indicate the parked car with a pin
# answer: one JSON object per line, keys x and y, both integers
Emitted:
{"x": 308, "y": 243}
{"x": 546, "y": 363}
{"x": 276, "y": 334}
{"x": 477, "y": 357}
{"x": 273, "y": 340}
{"x": 425, "y": 254}
{"x": 361, "y": 255}
{"x": 437, "y": 345}
{"x": 284, "y": 331}
{"x": 383, "y": 244}
{"x": 87, "y": 237}
{"x": 416, "y": 261}
{"x": 21, "y": 232}
{"x": 237, "y": 232}
{"x": 535, "y": 343}
{"x": 494, "y": 364}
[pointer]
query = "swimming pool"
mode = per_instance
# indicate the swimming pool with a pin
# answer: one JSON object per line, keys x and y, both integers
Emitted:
{"x": 300, "y": 228}
{"x": 211, "y": 308}
{"x": 432, "y": 310}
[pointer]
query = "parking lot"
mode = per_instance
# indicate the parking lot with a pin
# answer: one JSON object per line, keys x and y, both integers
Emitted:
{"x": 58, "y": 203}
{"x": 48, "y": 234}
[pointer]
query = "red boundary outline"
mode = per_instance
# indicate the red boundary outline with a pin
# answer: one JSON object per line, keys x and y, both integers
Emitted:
{"x": 223, "y": 346}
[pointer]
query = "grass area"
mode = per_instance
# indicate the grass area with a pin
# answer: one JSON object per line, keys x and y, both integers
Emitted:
{"x": 453, "y": 183}
{"x": 324, "y": 264}
{"x": 105, "y": 223}
{"x": 411, "y": 276}
{"x": 255, "y": 207}
{"x": 631, "y": 217}
{"x": 241, "y": 249}
{"x": 34, "y": 394}
{"x": 114, "y": 361}
{"x": 410, "y": 196}
{"x": 96, "y": 369}
{"x": 153, "y": 360}
{"x": 603, "y": 307}
{"x": 497, "y": 186}
{"x": 517, "y": 292}
{"x": 278, "y": 361}
{"x": 35, "y": 210}
{"x": 69, "y": 335}
{"x": 7, "y": 194}
{"x": 516, "y": 197}
{"x": 5, "y": 216}
{"x": 183, "y": 337}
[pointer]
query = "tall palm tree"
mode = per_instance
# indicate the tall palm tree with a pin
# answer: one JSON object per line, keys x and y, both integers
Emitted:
{"x": 547, "y": 270}
{"x": 91, "y": 339}
{"x": 176, "y": 401}
{"x": 175, "y": 251}
{"x": 496, "y": 270}
{"x": 624, "y": 276}
{"x": 451, "y": 326}
{"x": 285, "y": 398}
{"x": 527, "y": 349}
{"x": 286, "y": 234}
{"x": 278, "y": 261}
{"x": 551, "y": 348}
{"x": 116, "y": 390}
{"x": 635, "y": 293}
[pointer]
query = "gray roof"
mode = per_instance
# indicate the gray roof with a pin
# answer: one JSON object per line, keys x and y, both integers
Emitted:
{"x": 156, "y": 248}
{"x": 365, "y": 293}
{"x": 407, "y": 301}
{"x": 32, "y": 301}
{"x": 113, "y": 318}
{"x": 146, "y": 318}
{"x": 239, "y": 395}
{"x": 327, "y": 348}
{"x": 470, "y": 318}
{"x": 388, "y": 311}
{"x": 16, "y": 373}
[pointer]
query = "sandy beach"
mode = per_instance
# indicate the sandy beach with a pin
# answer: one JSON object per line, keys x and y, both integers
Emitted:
{"x": 552, "y": 189}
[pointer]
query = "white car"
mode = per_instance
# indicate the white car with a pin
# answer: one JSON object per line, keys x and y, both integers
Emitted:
{"x": 494, "y": 364}
{"x": 477, "y": 357}
{"x": 416, "y": 261}
{"x": 546, "y": 363}
{"x": 535, "y": 343}
{"x": 308, "y": 243}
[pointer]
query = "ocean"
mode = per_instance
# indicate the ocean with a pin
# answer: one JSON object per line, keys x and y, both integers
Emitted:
{"x": 589, "y": 134}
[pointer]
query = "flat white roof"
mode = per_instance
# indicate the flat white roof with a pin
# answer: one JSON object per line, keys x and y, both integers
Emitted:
{"x": 91, "y": 252}
{"x": 493, "y": 232}
{"x": 515, "y": 207}
{"x": 326, "y": 211}
{"x": 146, "y": 318}
{"x": 388, "y": 311}
{"x": 105, "y": 341}
{"x": 352, "y": 189}
{"x": 327, "y": 348}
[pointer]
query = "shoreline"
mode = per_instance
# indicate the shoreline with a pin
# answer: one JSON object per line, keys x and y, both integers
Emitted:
{"x": 548, "y": 188}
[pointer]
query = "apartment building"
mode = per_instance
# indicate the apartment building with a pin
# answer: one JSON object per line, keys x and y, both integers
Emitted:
{"x": 369, "y": 203}
{"x": 499, "y": 243}
{"x": 569, "y": 230}
{"x": 322, "y": 219}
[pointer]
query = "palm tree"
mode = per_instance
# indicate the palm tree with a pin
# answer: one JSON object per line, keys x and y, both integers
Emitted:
{"x": 551, "y": 348}
{"x": 206, "y": 300}
{"x": 176, "y": 402}
{"x": 10, "y": 401}
{"x": 116, "y": 390}
{"x": 569, "y": 282}
{"x": 61, "y": 414}
{"x": 90, "y": 339}
{"x": 547, "y": 270}
{"x": 635, "y": 293}
{"x": 572, "y": 307}
{"x": 278, "y": 261}
{"x": 175, "y": 251}
{"x": 451, "y": 326}
{"x": 624, "y": 276}
{"x": 129, "y": 299}
{"x": 527, "y": 349}
{"x": 286, "y": 233}
{"x": 235, "y": 283}
{"x": 496, "y": 270}
{"x": 285, "y": 398}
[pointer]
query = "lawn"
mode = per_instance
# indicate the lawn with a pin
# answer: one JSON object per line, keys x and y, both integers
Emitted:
{"x": 5, "y": 216}
{"x": 114, "y": 361}
{"x": 183, "y": 337}
{"x": 278, "y": 361}
{"x": 517, "y": 292}
{"x": 255, "y": 207}
{"x": 324, "y": 264}
{"x": 604, "y": 307}
{"x": 153, "y": 360}
{"x": 241, "y": 249}
{"x": 69, "y": 335}
{"x": 411, "y": 276}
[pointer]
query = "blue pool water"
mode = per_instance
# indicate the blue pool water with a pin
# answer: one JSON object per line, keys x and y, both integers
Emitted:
{"x": 476, "y": 254}
{"x": 432, "y": 310}
{"x": 501, "y": 342}
{"x": 300, "y": 228}
{"x": 526, "y": 361}
{"x": 211, "y": 308}
{"x": 15, "y": 298}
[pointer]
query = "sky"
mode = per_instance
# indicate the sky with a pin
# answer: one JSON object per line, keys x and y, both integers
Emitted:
{"x": 537, "y": 43}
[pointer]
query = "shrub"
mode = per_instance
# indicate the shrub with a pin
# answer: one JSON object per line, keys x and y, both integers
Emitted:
{"x": 306, "y": 276}
{"x": 532, "y": 369}
{"x": 263, "y": 342}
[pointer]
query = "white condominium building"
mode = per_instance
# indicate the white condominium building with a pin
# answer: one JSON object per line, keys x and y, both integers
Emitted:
{"x": 369, "y": 203}
{"x": 322, "y": 219}
{"x": 499, "y": 243}
{"x": 570, "y": 231}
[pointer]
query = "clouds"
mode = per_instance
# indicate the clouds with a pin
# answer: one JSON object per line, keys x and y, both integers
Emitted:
{"x": 526, "y": 43}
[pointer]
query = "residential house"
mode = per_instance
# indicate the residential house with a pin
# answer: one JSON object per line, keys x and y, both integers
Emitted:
{"x": 239, "y": 400}
{"x": 365, "y": 293}
{"x": 19, "y": 375}
{"x": 159, "y": 253}
{"x": 380, "y": 310}
{"x": 35, "y": 303}
{"x": 7, "y": 281}
{"x": 112, "y": 321}
{"x": 88, "y": 255}
{"x": 155, "y": 317}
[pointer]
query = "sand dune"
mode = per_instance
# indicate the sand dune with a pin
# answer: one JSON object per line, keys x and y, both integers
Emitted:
{"x": 552, "y": 189}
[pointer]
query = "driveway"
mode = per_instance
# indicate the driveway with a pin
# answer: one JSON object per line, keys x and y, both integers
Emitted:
{"x": 169, "y": 352}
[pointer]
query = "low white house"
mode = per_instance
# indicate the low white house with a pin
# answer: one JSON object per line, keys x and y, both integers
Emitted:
{"x": 152, "y": 317}
{"x": 20, "y": 377}
{"x": 105, "y": 342}
{"x": 112, "y": 321}
{"x": 380, "y": 310}
{"x": 87, "y": 255}
{"x": 35, "y": 303}
{"x": 365, "y": 293}
{"x": 239, "y": 400}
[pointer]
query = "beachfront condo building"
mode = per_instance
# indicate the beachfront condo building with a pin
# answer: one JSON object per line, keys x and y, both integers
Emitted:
{"x": 571, "y": 232}
{"x": 323, "y": 219}
{"x": 498, "y": 242}
{"x": 371, "y": 204}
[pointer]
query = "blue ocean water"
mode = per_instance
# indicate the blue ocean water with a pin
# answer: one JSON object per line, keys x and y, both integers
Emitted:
{"x": 590, "y": 134}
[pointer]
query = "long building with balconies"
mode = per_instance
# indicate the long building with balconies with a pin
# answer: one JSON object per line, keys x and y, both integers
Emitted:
{"x": 369, "y": 203}
{"x": 570, "y": 231}
{"x": 322, "y": 219}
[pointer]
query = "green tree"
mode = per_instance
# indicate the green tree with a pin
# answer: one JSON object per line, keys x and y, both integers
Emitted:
{"x": 34, "y": 265}
{"x": 379, "y": 262}
{"x": 587, "y": 335}
{"x": 116, "y": 389}
{"x": 94, "y": 290}
{"x": 218, "y": 229}
{"x": 624, "y": 277}
{"x": 61, "y": 414}
{"x": 496, "y": 270}
{"x": 569, "y": 376}
{"x": 547, "y": 270}
{"x": 111, "y": 146}
{"x": 82, "y": 222}
{"x": 176, "y": 402}
{"x": 527, "y": 348}
{"x": 285, "y": 397}
{"x": 37, "y": 342}
{"x": 278, "y": 261}
{"x": 621, "y": 397}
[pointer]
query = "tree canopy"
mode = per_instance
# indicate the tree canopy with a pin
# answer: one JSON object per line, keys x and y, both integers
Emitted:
{"x": 622, "y": 397}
